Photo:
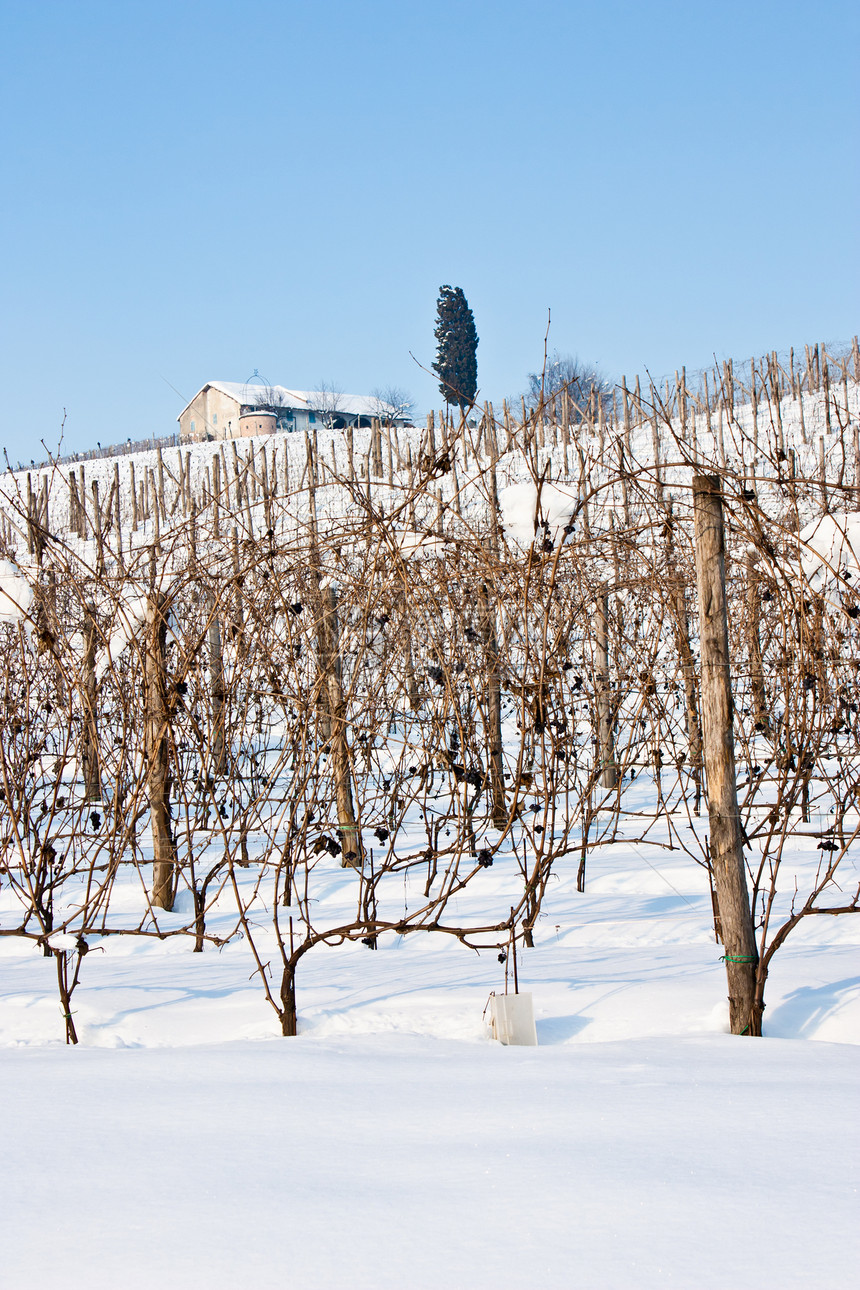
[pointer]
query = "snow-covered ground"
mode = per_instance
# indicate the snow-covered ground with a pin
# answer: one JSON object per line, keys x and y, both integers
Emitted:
{"x": 401, "y": 1160}
{"x": 184, "y": 1143}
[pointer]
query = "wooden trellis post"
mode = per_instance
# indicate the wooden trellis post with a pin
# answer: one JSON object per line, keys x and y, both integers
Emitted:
{"x": 238, "y": 609}
{"x": 75, "y": 521}
{"x": 97, "y": 528}
{"x": 756, "y": 664}
{"x": 605, "y": 743}
{"x": 158, "y": 751}
{"x": 691, "y": 706}
{"x": 92, "y": 778}
{"x": 494, "y": 713}
{"x": 350, "y": 834}
{"x": 31, "y": 516}
{"x": 218, "y": 745}
{"x": 117, "y": 511}
{"x": 216, "y": 494}
{"x": 376, "y": 448}
{"x": 726, "y": 835}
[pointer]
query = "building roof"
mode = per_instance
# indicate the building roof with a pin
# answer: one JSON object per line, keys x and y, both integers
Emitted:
{"x": 253, "y": 395}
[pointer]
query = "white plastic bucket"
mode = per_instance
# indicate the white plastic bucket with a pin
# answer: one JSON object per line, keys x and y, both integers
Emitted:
{"x": 512, "y": 1019}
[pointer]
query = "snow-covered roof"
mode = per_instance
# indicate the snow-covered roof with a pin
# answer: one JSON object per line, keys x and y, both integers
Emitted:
{"x": 251, "y": 394}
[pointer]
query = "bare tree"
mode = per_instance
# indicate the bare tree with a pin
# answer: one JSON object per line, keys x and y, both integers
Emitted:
{"x": 566, "y": 376}
{"x": 327, "y": 403}
{"x": 392, "y": 403}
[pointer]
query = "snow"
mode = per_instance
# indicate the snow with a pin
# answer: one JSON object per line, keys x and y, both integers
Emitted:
{"x": 62, "y": 941}
{"x": 638, "y": 1145}
{"x": 422, "y": 546}
{"x": 130, "y": 617}
{"x": 830, "y": 553}
{"x": 16, "y": 594}
{"x": 533, "y": 514}
{"x": 379, "y": 1163}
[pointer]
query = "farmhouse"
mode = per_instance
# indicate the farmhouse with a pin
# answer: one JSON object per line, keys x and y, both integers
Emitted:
{"x": 229, "y": 410}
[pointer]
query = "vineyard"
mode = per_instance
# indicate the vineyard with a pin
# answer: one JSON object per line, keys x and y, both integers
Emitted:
{"x": 286, "y": 701}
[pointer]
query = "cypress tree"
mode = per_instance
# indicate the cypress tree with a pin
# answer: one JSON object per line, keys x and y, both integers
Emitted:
{"x": 456, "y": 348}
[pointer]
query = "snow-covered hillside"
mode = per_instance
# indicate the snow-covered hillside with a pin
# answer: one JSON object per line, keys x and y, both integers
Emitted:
{"x": 815, "y": 427}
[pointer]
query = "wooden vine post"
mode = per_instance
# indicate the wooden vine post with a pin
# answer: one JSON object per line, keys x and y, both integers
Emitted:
{"x": 494, "y": 712}
{"x": 158, "y": 751}
{"x": 350, "y": 834}
{"x": 494, "y": 679}
{"x": 687, "y": 664}
{"x": 218, "y": 745}
{"x": 691, "y": 707}
{"x": 92, "y": 777}
{"x": 756, "y": 664}
{"x": 31, "y": 517}
{"x": 376, "y": 448}
{"x": 333, "y": 708}
{"x": 97, "y": 528}
{"x": 75, "y": 522}
{"x": 603, "y": 689}
{"x": 726, "y": 837}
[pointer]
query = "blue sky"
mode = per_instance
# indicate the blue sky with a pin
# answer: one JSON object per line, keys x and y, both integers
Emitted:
{"x": 195, "y": 190}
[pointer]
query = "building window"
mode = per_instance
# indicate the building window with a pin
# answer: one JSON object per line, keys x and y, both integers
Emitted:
{"x": 193, "y": 426}
{"x": 312, "y": 417}
{"x": 214, "y": 418}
